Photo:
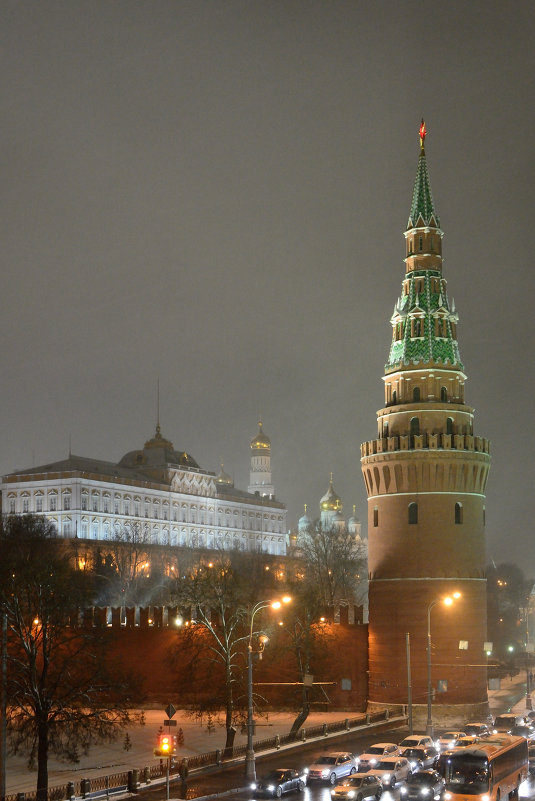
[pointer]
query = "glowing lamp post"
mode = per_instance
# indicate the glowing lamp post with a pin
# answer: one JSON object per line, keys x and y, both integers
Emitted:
{"x": 250, "y": 770}
{"x": 447, "y": 602}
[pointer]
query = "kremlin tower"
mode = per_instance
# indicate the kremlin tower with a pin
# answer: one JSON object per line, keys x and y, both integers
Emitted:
{"x": 260, "y": 475}
{"x": 425, "y": 476}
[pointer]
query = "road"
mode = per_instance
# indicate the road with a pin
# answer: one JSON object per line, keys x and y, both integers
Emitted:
{"x": 298, "y": 759}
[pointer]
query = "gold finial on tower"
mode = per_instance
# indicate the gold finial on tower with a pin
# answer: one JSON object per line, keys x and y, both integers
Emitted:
{"x": 423, "y": 133}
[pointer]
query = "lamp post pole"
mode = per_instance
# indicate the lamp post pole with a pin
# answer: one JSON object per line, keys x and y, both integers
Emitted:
{"x": 250, "y": 769}
{"x": 448, "y": 602}
{"x": 429, "y": 725}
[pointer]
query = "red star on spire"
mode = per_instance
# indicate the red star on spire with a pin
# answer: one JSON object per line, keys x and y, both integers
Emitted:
{"x": 423, "y": 132}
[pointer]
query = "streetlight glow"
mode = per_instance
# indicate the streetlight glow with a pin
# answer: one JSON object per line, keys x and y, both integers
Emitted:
{"x": 447, "y": 601}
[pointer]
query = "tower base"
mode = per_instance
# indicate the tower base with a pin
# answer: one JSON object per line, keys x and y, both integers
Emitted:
{"x": 445, "y": 716}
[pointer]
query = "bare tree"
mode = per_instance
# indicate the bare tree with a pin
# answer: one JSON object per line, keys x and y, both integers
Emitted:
{"x": 334, "y": 563}
{"x": 220, "y": 594}
{"x": 64, "y": 694}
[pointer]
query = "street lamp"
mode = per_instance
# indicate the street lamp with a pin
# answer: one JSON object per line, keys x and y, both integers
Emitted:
{"x": 250, "y": 771}
{"x": 448, "y": 602}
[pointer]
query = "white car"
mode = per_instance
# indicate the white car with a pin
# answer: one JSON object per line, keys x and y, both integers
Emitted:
{"x": 374, "y": 754}
{"x": 331, "y": 767}
{"x": 392, "y": 770}
{"x": 417, "y": 741}
{"x": 449, "y": 739}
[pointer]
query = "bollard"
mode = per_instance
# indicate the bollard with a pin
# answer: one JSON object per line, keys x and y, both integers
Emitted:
{"x": 387, "y": 714}
{"x": 218, "y": 757}
{"x": 70, "y": 791}
{"x": 324, "y": 729}
{"x": 367, "y": 720}
{"x": 133, "y": 782}
{"x": 346, "y": 722}
{"x": 277, "y": 741}
{"x": 303, "y": 734}
{"x": 146, "y": 775}
{"x": 85, "y": 787}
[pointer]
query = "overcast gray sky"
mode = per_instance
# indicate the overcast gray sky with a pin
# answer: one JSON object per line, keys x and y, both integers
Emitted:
{"x": 215, "y": 193}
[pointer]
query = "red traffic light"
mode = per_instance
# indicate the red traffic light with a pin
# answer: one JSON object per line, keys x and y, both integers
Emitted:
{"x": 166, "y": 746}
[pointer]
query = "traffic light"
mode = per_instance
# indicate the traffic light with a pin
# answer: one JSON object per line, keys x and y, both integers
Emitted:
{"x": 166, "y": 746}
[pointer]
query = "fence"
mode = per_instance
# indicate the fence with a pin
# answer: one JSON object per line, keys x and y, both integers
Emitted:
{"x": 107, "y": 786}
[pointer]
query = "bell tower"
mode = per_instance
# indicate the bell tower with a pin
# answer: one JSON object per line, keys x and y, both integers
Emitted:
{"x": 425, "y": 475}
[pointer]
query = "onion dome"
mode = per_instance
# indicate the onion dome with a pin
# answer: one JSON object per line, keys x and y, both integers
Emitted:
{"x": 353, "y": 519}
{"x": 304, "y": 521}
{"x": 330, "y": 501}
{"x": 224, "y": 478}
{"x": 261, "y": 442}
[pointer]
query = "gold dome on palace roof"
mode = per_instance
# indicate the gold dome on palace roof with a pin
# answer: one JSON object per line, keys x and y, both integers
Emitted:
{"x": 224, "y": 478}
{"x": 330, "y": 501}
{"x": 260, "y": 442}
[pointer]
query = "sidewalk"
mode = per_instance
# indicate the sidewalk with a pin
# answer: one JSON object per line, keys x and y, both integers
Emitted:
{"x": 114, "y": 758}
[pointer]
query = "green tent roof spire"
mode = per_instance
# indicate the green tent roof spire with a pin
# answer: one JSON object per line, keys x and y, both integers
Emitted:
{"x": 422, "y": 198}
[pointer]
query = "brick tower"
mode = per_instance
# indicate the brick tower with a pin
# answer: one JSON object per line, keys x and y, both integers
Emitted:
{"x": 425, "y": 476}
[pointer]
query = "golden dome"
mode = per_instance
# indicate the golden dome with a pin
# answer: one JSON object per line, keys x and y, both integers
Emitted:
{"x": 260, "y": 442}
{"x": 330, "y": 501}
{"x": 224, "y": 478}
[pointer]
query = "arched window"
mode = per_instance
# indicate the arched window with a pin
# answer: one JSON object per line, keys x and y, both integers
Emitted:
{"x": 458, "y": 513}
{"x": 420, "y": 243}
{"x": 394, "y": 396}
{"x": 449, "y": 425}
{"x": 416, "y": 394}
{"x": 375, "y": 516}
{"x": 385, "y": 429}
{"x": 413, "y": 513}
{"x": 415, "y": 426}
{"x": 443, "y": 394}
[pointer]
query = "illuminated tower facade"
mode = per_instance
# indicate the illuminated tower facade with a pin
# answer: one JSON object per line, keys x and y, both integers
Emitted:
{"x": 260, "y": 473}
{"x": 425, "y": 476}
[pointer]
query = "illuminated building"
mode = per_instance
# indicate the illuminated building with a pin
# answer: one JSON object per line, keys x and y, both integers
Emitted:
{"x": 425, "y": 476}
{"x": 159, "y": 492}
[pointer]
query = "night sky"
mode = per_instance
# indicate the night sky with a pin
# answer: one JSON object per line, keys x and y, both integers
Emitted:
{"x": 214, "y": 194}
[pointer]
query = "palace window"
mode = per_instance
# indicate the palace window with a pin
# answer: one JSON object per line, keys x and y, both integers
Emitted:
{"x": 416, "y": 394}
{"x": 12, "y": 506}
{"x": 38, "y": 504}
{"x": 53, "y": 503}
{"x": 66, "y": 502}
{"x": 25, "y": 505}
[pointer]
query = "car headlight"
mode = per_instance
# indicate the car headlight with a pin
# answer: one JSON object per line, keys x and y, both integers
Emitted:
{"x": 424, "y": 791}
{"x": 404, "y": 790}
{"x": 386, "y": 777}
{"x": 485, "y": 797}
{"x": 413, "y": 763}
{"x": 271, "y": 788}
{"x": 305, "y": 771}
{"x": 373, "y": 761}
{"x": 447, "y": 796}
{"x": 325, "y": 772}
{"x": 351, "y": 794}
{"x": 253, "y": 786}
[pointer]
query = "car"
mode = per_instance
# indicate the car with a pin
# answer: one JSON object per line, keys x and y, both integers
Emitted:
{"x": 466, "y": 741}
{"x": 477, "y": 729}
{"x": 506, "y": 722}
{"x": 374, "y": 754}
{"x": 357, "y": 787}
{"x": 531, "y": 758}
{"x": 416, "y": 741}
{"x": 332, "y": 766}
{"x": 279, "y": 781}
{"x": 426, "y": 784}
{"x": 391, "y": 770}
{"x": 526, "y": 731}
{"x": 447, "y": 740}
{"x": 421, "y": 757}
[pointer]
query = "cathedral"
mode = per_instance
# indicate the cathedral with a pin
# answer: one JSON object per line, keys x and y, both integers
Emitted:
{"x": 158, "y": 492}
{"x": 425, "y": 474}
